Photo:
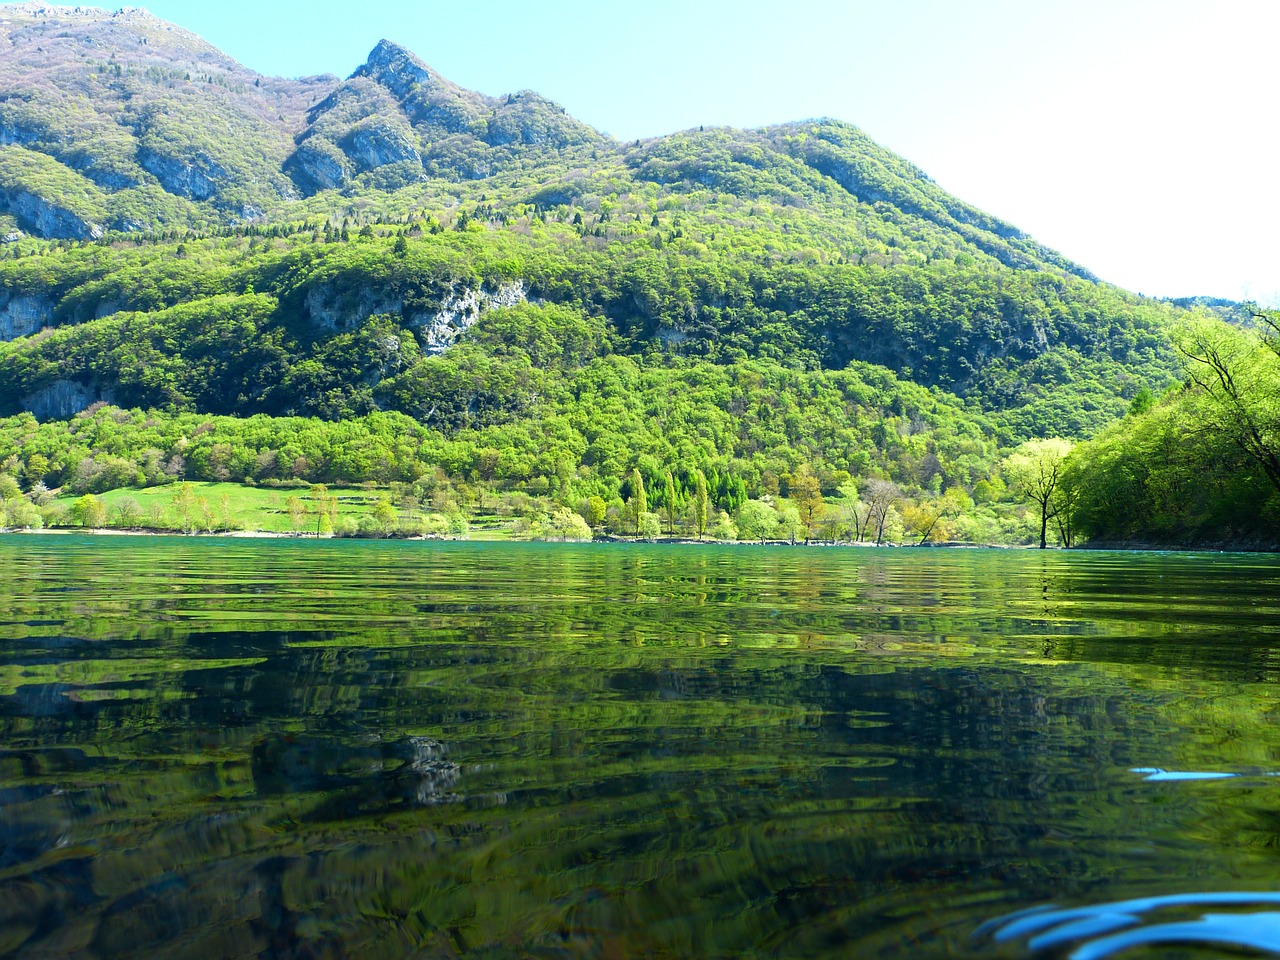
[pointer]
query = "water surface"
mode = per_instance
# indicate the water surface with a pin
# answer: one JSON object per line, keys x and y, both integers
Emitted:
{"x": 299, "y": 749}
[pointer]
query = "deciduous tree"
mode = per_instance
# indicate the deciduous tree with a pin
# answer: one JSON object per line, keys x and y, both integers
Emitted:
{"x": 1036, "y": 469}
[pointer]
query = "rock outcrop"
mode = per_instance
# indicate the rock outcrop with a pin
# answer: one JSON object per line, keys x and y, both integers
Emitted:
{"x": 438, "y": 329}
{"x": 461, "y": 309}
{"x": 63, "y": 399}
{"x": 378, "y": 145}
{"x": 320, "y": 165}
{"x": 23, "y": 314}
{"x": 46, "y": 218}
{"x": 197, "y": 178}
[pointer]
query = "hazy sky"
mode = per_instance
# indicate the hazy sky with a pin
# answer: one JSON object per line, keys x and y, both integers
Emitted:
{"x": 1135, "y": 136}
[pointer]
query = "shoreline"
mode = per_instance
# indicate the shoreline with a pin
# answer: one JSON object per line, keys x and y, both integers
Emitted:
{"x": 1135, "y": 547}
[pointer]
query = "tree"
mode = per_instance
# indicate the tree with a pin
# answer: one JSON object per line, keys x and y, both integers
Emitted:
{"x": 37, "y": 467}
{"x": 595, "y": 511}
{"x": 127, "y": 512}
{"x": 1239, "y": 370}
{"x": 21, "y": 514}
{"x": 930, "y": 514}
{"x": 385, "y": 515}
{"x": 649, "y": 526}
{"x": 757, "y": 520}
{"x": 806, "y": 494}
{"x": 297, "y": 513}
{"x": 325, "y": 507}
{"x": 722, "y": 527}
{"x": 789, "y": 523}
{"x": 567, "y": 525}
{"x": 700, "y": 502}
{"x": 639, "y": 504}
{"x": 1068, "y": 498}
{"x": 878, "y": 498}
{"x": 670, "y": 493}
{"x": 89, "y": 511}
{"x": 1036, "y": 470}
{"x": 184, "y": 502}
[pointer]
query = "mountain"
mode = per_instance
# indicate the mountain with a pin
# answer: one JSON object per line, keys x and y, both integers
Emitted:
{"x": 188, "y": 237}
{"x": 122, "y": 122}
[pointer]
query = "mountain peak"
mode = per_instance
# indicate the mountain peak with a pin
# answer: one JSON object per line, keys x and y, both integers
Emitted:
{"x": 396, "y": 68}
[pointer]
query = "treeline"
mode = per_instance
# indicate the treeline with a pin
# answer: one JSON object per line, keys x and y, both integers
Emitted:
{"x": 751, "y": 419}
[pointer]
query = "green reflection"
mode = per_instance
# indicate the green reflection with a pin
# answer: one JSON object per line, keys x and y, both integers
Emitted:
{"x": 371, "y": 749}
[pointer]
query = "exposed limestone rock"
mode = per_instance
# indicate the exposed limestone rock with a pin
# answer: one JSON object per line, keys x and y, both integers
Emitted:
{"x": 330, "y": 311}
{"x": 46, "y": 218}
{"x": 63, "y": 399}
{"x": 439, "y": 329}
{"x": 321, "y": 164}
{"x": 14, "y": 131}
{"x": 195, "y": 179}
{"x": 22, "y": 314}
{"x": 379, "y": 145}
{"x": 395, "y": 68}
{"x": 461, "y": 309}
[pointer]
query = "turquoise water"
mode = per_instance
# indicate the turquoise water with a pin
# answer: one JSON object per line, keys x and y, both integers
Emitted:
{"x": 299, "y": 749}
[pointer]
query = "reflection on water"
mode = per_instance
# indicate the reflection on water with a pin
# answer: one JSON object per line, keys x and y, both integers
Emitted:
{"x": 1093, "y": 930}
{"x": 378, "y": 750}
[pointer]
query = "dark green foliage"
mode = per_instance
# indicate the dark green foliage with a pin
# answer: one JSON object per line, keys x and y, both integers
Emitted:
{"x": 1057, "y": 355}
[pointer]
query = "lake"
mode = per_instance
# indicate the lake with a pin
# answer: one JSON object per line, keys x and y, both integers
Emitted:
{"x": 218, "y": 748}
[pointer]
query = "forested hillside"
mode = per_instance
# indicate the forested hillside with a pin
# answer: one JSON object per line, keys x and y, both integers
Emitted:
{"x": 251, "y": 272}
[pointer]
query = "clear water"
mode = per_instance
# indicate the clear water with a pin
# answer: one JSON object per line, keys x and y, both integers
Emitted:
{"x": 291, "y": 749}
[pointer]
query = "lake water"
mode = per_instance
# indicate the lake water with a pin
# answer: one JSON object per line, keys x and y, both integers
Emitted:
{"x": 300, "y": 749}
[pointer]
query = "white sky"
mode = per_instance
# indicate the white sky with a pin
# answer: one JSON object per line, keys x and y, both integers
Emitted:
{"x": 1135, "y": 136}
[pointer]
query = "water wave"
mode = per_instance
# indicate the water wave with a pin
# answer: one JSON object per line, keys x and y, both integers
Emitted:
{"x": 1104, "y": 930}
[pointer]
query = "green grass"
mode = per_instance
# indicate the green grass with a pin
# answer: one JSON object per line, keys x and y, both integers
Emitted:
{"x": 219, "y": 507}
{"x": 250, "y": 508}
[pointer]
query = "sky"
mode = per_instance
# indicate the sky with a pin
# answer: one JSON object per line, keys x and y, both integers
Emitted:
{"x": 1137, "y": 137}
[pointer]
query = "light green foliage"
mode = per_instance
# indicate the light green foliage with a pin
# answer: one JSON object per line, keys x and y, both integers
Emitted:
{"x": 1238, "y": 371}
{"x": 649, "y": 526}
{"x": 491, "y": 300}
{"x": 805, "y": 492}
{"x": 20, "y": 513}
{"x": 1198, "y": 467}
{"x": 595, "y": 510}
{"x": 757, "y": 520}
{"x": 637, "y": 502}
{"x": 385, "y": 514}
{"x": 791, "y": 525}
{"x": 562, "y": 524}
{"x": 89, "y": 511}
{"x": 1035, "y": 469}
{"x": 700, "y": 503}
{"x": 722, "y": 527}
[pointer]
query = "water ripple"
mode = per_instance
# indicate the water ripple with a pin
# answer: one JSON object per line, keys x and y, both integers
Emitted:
{"x": 1047, "y": 927}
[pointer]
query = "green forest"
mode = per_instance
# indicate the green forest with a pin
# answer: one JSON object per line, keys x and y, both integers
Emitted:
{"x": 500, "y": 320}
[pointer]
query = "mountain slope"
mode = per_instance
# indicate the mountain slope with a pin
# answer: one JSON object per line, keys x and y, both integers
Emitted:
{"x": 154, "y": 128}
{"x": 164, "y": 128}
{"x": 232, "y": 243}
